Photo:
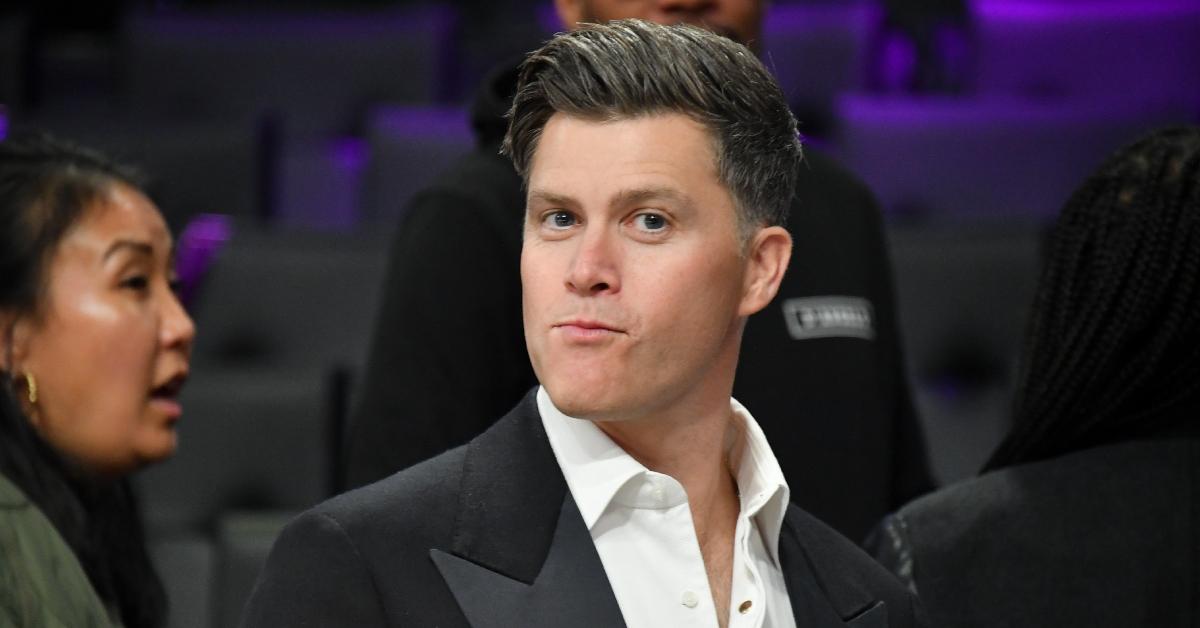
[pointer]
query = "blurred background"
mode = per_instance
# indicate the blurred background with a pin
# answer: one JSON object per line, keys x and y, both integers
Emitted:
{"x": 284, "y": 138}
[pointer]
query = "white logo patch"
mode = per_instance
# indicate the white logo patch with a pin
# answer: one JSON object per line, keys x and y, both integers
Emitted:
{"x": 829, "y": 317}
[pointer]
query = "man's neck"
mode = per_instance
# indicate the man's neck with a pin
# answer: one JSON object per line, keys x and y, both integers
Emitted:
{"x": 699, "y": 452}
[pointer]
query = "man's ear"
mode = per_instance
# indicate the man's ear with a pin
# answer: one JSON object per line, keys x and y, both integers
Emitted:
{"x": 570, "y": 12}
{"x": 767, "y": 257}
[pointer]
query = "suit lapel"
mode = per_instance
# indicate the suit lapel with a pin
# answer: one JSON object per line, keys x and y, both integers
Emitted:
{"x": 521, "y": 554}
{"x": 815, "y": 601}
{"x": 571, "y": 590}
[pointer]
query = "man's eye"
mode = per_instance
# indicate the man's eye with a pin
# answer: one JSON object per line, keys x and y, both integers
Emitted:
{"x": 650, "y": 222}
{"x": 559, "y": 220}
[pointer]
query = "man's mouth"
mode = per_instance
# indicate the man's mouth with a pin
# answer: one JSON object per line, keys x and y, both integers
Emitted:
{"x": 583, "y": 323}
{"x": 586, "y": 329}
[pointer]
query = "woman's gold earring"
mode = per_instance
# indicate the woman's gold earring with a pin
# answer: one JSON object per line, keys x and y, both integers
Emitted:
{"x": 31, "y": 388}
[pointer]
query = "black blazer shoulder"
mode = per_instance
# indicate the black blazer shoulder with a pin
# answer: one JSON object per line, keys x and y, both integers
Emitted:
{"x": 1102, "y": 537}
{"x": 370, "y": 557}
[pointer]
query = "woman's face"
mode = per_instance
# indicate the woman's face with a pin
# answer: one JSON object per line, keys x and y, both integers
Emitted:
{"x": 109, "y": 345}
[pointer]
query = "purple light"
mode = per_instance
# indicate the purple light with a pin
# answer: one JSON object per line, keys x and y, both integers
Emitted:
{"x": 1035, "y": 10}
{"x": 1146, "y": 51}
{"x": 350, "y": 154}
{"x": 898, "y": 63}
{"x": 335, "y": 24}
{"x": 547, "y": 17}
{"x": 409, "y": 121}
{"x": 201, "y": 240}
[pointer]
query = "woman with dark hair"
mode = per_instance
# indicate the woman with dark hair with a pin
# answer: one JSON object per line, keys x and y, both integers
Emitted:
{"x": 1087, "y": 514}
{"x": 94, "y": 348}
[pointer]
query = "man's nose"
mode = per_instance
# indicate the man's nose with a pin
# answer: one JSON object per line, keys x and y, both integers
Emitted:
{"x": 595, "y": 267}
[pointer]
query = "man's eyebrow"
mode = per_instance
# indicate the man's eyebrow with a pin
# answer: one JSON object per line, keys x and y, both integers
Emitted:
{"x": 550, "y": 198}
{"x": 641, "y": 195}
{"x": 622, "y": 198}
{"x": 143, "y": 248}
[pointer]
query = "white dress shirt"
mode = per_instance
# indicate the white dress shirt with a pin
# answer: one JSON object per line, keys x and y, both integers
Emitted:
{"x": 642, "y": 527}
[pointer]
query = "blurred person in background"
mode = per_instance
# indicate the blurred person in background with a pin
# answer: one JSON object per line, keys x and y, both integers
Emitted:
{"x": 1086, "y": 514}
{"x": 822, "y": 364}
{"x": 923, "y": 46}
{"x": 94, "y": 348}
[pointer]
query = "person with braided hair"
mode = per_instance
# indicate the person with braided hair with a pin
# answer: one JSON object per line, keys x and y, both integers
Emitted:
{"x": 1086, "y": 513}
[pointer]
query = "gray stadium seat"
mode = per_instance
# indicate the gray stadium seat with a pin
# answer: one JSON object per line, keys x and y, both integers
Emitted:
{"x": 319, "y": 181}
{"x": 193, "y": 167}
{"x": 985, "y": 156}
{"x": 408, "y": 147}
{"x": 1147, "y": 52}
{"x": 243, "y": 541}
{"x": 962, "y": 294}
{"x": 248, "y": 440}
{"x": 318, "y": 70}
{"x": 186, "y": 564}
{"x": 817, "y": 51}
{"x": 289, "y": 300}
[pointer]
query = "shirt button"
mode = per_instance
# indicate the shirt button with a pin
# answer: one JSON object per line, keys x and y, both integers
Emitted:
{"x": 690, "y": 599}
{"x": 745, "y": 607}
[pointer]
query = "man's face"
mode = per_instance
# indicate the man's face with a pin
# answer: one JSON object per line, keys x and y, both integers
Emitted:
{"x": 634, "y": 282}
{"x": 740, "y": 20}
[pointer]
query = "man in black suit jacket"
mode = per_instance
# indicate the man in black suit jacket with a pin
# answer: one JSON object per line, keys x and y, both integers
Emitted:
{"x": 822, "y": 365}
{"x": 488, "y": 535}
{"x": 659, "y": 163}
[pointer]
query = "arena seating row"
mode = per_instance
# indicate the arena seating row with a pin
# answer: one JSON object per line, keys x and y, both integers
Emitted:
{"x": 934, "y": 157}
{"x": 984, "y": 157}
{"x": 330, "y": 120}
{"x": 1139, "y": 50}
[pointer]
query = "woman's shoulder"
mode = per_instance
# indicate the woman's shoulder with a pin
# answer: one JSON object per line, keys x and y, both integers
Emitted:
{"x": 1016, "y": 544}
{"x": 41, "y": 581}
{"x": 1090, "y": 479}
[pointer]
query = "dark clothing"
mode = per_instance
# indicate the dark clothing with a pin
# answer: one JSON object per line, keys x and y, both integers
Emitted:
{"x": 1103, "y": 537}
{"x": 489, "y": 535}
{"x": 449, "y": 350}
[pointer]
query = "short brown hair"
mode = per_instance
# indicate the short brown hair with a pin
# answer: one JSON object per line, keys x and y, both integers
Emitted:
{"x": 631, "y": 68}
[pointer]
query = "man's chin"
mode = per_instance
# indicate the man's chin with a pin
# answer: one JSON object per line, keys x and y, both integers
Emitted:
{"x": 588, "y": 405}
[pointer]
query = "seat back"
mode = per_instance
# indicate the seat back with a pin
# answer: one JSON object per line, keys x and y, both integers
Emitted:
{"x": 248, "y": 440}
{"x": 288, "y": 300}
{"x": 319, "y": 71}
{"x": 983, "y": 157}
{"x": 408, "y": 147}
{"x": 963, "y": 294}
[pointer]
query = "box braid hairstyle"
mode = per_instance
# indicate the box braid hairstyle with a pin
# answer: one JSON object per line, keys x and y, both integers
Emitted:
{"x": 1112, "y": 350}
